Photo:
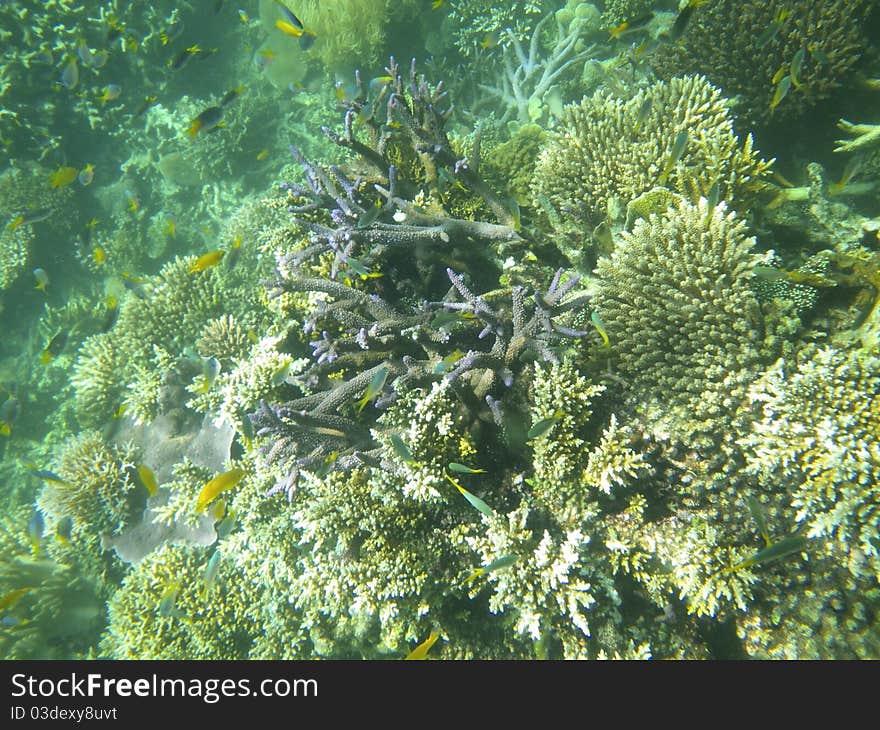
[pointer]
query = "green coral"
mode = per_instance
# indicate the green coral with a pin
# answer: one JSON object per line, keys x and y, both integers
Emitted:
{"x": 607, "y": 151}
{"x": 817, "y": 430}
{"x": 161, "y": 610}
{"x": 510, "y": 165}
{"x": 685, "y": 326}
{"x": 95, "y": 487}
{"x": 727, "y": 41}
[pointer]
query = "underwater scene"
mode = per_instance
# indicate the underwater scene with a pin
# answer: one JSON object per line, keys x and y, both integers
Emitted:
{"x": 440, "y": 329}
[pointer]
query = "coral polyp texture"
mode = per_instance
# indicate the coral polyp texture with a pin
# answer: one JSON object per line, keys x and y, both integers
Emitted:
{"x": 780, "y": 59}
{"x": 607, "y": 151}
{"x": 818, "y": 426}
{"x": 360, "y": 329}
{"x": 685, "y": 325}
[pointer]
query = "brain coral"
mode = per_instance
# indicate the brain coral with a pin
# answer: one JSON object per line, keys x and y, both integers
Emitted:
{"x": 608, "y": 151}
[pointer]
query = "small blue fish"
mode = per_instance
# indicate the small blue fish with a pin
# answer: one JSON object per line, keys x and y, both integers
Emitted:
{"x": 70, "y": 75}
{"x": 168, "y": 598}
{"x": 35, "y": 528}
{"x": 374, "y": 388}
{"x": 210, "y": 574}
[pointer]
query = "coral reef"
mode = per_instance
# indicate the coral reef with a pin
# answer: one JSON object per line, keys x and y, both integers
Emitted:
{"x": 749, "y": 48}
{"x": 685, "y": 326}
{"x": 163, "y": 611}
{"x": 817, "y": 431}
{"x": 607, "y": 151}
{"x": 531, "y": 76}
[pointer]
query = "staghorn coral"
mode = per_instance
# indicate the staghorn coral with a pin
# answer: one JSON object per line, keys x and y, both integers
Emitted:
{"x": 728, "y": 42}
{"x": 817, "y": 429}
{"x": 530, "y": 81}
{"x": 685, "y": 326}
{"x": 607, "y": 151}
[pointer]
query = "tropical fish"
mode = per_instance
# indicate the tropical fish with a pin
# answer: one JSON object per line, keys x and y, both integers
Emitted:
{"x": 797, "y": 63}
{"x": 64, "y": 529}
{"x": 145, "y": 104}
{"x": 70, "y": 75}
{"x": 435, "y": 4}
{"x": 206, "y": 261}
{"x": 62, "y": 176}
{"x": 267, "y": 55}
{"x": 148, "y": 479}
{"x": 770, "y": 32}
{"x": 210, "y": 574}
{"x": 231, "y": 95}
{"x": 498, "y": 564}
{"x": 48, "y": 476}
{"x": 210, "y": 371}
{"x": 675, "y": 154}
{"x": 210, "y": 119}
{"x": 13, "y": 597}
{"x": 110, "y": 92}
{"x": 54, "y": 348}
{"x": 464, "y": 469}
{"x": 111, "y": 313}
{"x": 9, "y": 413}
{"x": 219, "y": 484}
{"x": 851, "y": 169}
{"x": 35, "y": 528}
{"x": 168, "y": 597}
{"x": 42, "y": 279}
{"x": 25, "y": 219}
{"x": 683, "y": 18}
{"x": 374, "y": 388}
{"x": 781, "y": 90}
{"x": 786, "y": 546}
{"x": 449, "y": 361}
{"x": 542, "y": 426}
{"x": 243, "y": 17}
{"x": 758, "y": 516}
{"x": 182, "y": 58}
{"x": 477, "y": 503}
{"x": 490, "y": 40}
{"x": 421, "y": 651}
{"x": 631, "y": 26}
{"x": 262, "y": 155}
{"x": 600, "y": 328}
{"x": 99, "y": 255}
{"x": 402, "y": 450}
{"x": 86, "y": 175}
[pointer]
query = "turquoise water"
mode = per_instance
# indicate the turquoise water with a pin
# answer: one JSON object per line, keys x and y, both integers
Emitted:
{"x": 371, "y": 329}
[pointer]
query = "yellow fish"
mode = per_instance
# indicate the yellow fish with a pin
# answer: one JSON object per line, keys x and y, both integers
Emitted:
{"x": 62, "y": 176}
{"x": 99, "y": 255}
{"x": 206, "y": 261}
{"x": 288, "y": 28}
{"x": 219, "y": 484}
{"x": 148, "y": 479}
{"x": 421, "y": 651}
{"x": 13, "y": 597}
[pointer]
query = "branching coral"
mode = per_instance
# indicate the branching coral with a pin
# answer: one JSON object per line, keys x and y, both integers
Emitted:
{"x": 749, "y": 47}
{"x": 529, "y": 75}
{"x": 676, "y": 299}
{"x": 163, "y": 610}
{"x": 818, "y": 431}
{"x": 607, "y": 151}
